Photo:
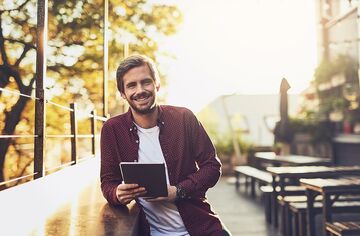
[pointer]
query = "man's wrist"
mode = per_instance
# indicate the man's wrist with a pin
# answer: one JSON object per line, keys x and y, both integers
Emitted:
{"x": 180, "y": 192}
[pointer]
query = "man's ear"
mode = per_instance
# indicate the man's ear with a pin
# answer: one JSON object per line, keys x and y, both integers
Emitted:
{"x": 158, "y": 87}
{"x": 123, "y": 95}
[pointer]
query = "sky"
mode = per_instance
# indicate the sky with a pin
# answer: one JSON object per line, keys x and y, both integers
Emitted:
{"x": 239, "y": 46}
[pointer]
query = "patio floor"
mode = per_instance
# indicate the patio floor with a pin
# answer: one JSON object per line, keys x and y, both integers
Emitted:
{"x": 241, "y": 214}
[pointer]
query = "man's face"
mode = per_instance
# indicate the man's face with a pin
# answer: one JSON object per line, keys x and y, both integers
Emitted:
{"x": 140, "y": 90}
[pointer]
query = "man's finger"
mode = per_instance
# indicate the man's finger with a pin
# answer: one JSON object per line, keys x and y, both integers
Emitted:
{"x": 126, "y": 200}
{"x": 127, "y": 186}
{"x": 132, "y": 194}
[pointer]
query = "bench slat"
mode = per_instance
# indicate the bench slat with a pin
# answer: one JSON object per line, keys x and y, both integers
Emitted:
{"x": 254, "y": 173}
{"x": 339, "y": 228}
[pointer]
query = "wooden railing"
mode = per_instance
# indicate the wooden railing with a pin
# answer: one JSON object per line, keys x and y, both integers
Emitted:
{"x": 74, "y": 135}
{"x": 41, "y": 101}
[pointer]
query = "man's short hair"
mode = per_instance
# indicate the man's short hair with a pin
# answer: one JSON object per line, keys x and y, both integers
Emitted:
{"x": 131, "y": 62}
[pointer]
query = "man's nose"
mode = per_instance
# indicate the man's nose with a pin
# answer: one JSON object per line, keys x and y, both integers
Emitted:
{"x": 139, "y": 88}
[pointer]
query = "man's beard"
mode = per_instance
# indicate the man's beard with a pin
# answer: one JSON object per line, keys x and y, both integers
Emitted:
{"x": 148, "y": 109}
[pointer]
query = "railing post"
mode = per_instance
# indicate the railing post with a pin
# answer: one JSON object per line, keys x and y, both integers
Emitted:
{"x": 74, "y": 132}
{"x": 40, "y": 109}
{"x": 93, "y": 132}
{"x": 106, "y": 61}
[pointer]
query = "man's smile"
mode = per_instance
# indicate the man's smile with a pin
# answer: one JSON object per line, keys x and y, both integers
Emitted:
{"x": 142, "y": 98}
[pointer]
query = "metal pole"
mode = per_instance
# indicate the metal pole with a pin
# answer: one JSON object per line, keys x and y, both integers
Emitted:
{"x": 93, "y": 132}
{"x": 74, "y": 132}
{"x": 40, "y": 109}
{"x": 106, "y": 61}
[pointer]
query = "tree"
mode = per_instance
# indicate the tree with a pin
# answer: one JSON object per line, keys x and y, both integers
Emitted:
{"x": 75, "y": 60}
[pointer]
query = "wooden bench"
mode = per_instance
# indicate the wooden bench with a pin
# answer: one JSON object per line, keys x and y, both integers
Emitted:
{"x": 255, "y": 175}
{"x": 285, "y": 215}
{"x": 343, "y": 228}
{"x": 68, "y": 201}
{"x": 298, "y": 213}
{"x": 267, "y": 192}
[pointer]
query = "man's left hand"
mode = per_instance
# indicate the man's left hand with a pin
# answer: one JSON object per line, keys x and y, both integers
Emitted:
{"x": 170, "y": 198}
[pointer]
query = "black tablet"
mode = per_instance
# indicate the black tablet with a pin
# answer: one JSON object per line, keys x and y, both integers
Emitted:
{"x": 149, "y": 175}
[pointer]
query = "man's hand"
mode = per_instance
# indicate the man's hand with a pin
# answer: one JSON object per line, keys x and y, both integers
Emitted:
{"x": 125, "y": 193}
{"x": 170, "y": 198}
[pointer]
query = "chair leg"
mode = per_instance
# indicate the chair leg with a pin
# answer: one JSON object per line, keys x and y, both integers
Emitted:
{"x": 246, "y": 183}
{"x": 237, "y": 182}
{"x": 274, "y": 210}
{"x": 267, "y": 203}
{"x": 295, "y": 223}
{"x": 302, "y": 223}
{"x": 282, "y": 219}
{"x": 288, "y": 221}
{"x": 252, "y": 187}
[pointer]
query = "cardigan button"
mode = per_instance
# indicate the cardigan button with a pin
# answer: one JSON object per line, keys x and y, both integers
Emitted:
{"x": 137, "y": 141}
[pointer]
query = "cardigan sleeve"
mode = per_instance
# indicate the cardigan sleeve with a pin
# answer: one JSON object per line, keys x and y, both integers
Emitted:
{"x": 110, "y": 175}
{"x": 203, "y": 151}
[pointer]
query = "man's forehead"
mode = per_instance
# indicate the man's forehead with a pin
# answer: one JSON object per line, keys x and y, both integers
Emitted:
{"x": 138, "y": 72}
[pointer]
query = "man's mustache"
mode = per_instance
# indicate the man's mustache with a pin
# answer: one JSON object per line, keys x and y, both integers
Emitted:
{"x": 141, "y": 95}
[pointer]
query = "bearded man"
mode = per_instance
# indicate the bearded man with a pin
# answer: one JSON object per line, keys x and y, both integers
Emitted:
{"x": 152, "y": 133}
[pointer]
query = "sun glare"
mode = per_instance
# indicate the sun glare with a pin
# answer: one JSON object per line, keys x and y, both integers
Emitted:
{"x": 246, "y": 47}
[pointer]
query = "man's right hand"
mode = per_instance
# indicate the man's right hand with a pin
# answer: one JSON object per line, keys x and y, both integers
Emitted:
{"x": 125, "y": 193}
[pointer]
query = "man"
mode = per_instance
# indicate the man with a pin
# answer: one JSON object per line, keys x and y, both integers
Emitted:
{"x": 150, "y": 133}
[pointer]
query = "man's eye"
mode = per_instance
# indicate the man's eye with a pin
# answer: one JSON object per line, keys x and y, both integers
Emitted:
{"x": 147, "y": 82}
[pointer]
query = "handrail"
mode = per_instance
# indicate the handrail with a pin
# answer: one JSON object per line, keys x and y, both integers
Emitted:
{"x": 74, "y": 137}
{"x": 18, "y": 93}
{"x": 48, "y": 136}
{"x": 58, "y": 105}
{"x": 18, "y": 136}
{"x": 340, "y": 18}
{"x": 85, "y": 135}
{"x": 101, "y": 118}
{"x": 60, "y": 166}
{"x": 17, "y": 179}
{"x": 59, "y": 135}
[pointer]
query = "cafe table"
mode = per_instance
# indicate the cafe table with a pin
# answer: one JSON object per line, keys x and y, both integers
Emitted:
{"x": 330, "y": 189}
{"x": 272, "y": 159}
{"x": 283, "y": 173}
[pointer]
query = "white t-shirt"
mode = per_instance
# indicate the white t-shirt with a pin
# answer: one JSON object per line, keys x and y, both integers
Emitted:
{"x": 163, "y": 217}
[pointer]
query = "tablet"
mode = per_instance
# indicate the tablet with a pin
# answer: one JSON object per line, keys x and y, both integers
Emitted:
{"x": 149, "y": 175}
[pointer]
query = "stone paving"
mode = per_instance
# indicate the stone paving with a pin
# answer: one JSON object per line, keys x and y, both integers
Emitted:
{"x": 242, "y": 215}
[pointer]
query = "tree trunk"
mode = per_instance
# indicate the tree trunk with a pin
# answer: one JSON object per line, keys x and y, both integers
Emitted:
{"x": 12, "y": 118}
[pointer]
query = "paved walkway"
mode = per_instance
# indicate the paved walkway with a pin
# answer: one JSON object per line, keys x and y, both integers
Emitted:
{"x": 242, "y": 215}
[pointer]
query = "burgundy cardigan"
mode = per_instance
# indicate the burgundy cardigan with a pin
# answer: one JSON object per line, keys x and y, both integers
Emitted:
{"x": 190, "y": 157}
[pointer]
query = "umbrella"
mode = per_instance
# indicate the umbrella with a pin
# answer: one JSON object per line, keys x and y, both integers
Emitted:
{"x": 282, "y": 131}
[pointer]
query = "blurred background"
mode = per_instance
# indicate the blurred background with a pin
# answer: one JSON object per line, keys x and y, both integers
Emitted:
{"x": 224, "y": 60}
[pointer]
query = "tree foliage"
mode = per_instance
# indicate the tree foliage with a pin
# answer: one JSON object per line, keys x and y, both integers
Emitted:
{"x": 74, "y": 66}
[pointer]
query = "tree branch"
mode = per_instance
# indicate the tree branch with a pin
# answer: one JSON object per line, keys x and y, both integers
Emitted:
{"x": 23, "y": 171}
{"x": 10, "y": 72}
{"x": 21, "y": 42}
{"x": 22, "y": 56}
{"x": 32, "y": 81}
